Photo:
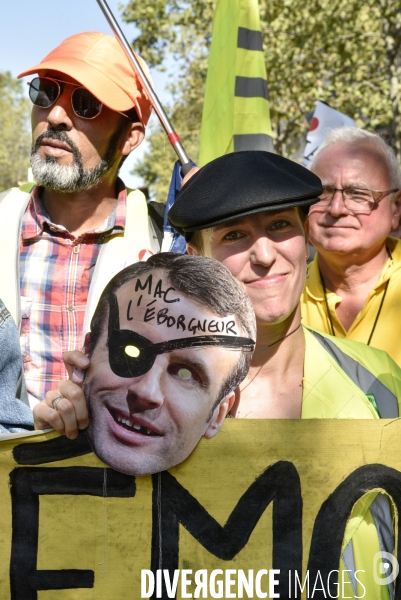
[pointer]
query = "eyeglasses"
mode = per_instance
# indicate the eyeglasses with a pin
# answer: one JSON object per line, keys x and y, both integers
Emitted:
{"x": 356, "y": 200}
{"x": 44, "y": 92}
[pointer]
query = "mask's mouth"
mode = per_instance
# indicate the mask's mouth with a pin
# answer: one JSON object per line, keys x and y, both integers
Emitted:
{"x": 133, "y": 425}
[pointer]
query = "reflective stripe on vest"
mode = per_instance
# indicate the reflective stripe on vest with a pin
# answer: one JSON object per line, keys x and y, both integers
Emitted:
{"x": 349, "y": 562}
{"x": 386, "y": 401}
{"x": 381, "y": 513}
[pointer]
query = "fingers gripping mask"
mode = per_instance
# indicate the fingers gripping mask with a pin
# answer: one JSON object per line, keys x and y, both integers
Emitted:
{"x": 132, "y": 355}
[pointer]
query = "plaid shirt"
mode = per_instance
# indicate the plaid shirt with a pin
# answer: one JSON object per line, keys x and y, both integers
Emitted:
{"x": 56, "y": 270}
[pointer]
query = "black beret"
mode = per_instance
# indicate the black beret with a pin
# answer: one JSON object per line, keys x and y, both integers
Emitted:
{"x": 239, "y": 184}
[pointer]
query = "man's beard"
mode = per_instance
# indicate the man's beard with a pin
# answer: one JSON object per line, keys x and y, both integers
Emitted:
{"x": 70, "y": 178}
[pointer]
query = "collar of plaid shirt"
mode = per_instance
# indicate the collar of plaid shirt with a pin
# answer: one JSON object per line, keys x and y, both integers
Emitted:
{"x": 36, "y": 219}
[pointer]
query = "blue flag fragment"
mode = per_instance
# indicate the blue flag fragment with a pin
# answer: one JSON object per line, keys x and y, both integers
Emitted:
{"x": 173, "y": 241}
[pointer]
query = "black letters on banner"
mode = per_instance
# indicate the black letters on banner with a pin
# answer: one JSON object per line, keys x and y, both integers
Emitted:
{"x": 328, "y": 531}
{"x": 172, "y": 505}
{"x": 27, "y": 485}
{"x": 279, "y": 483}
{"x": 60, "y": 448}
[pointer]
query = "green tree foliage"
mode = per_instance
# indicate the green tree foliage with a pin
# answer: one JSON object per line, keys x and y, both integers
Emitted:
{"x": 344, "y": 52}
{"x": 15, "y": 138}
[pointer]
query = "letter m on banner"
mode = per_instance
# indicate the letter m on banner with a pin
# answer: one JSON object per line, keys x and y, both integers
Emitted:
{"x": 174, "y": 505}
{"x": 236, "y": 112}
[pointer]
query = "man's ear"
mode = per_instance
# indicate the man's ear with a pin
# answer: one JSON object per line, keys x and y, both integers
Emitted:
{"x": 219, "y": 415}
{"x": 306, "y": 225}
{"x": 85, "y": 349}
{"x": 133, "y": 138}
{"x": 395, "y": 221}
{"x": 192, "y": 250}
{"x": 307, "y": 246}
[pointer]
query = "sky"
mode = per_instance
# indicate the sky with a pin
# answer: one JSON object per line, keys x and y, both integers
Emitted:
{"x": 29, "y": 29}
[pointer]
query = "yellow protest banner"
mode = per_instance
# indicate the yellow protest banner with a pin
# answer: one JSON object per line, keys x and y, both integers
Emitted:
{"x": 255, "y": 507}
{"x": 236, "y": 107}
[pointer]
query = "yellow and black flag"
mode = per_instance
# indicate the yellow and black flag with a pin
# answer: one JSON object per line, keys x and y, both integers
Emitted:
{"x": 236, "y": 109}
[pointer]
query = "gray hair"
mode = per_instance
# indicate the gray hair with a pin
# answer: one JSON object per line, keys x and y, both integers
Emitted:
{"x": 357, "y": 136}
{"x": 207, "y": 283}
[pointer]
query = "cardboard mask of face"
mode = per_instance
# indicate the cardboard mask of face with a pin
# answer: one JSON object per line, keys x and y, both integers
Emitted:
{"x": 153, "y": 390}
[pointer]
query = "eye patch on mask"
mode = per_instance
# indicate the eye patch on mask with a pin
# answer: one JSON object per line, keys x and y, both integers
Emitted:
{"x": 132, "y": 355}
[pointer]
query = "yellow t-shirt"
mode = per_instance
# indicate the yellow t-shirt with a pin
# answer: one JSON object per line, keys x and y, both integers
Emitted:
{"x": 387, "y": 333}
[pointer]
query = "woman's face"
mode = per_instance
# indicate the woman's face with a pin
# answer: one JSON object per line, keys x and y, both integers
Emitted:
{"x": 267, "y": 252}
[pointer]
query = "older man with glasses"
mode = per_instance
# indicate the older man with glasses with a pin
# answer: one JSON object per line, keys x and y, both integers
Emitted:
{"x": 354, "y": 285}
{"x": 61, "y": 242}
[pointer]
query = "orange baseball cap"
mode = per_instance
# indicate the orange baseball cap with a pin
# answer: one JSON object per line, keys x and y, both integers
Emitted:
{"x": 98, "y": 62}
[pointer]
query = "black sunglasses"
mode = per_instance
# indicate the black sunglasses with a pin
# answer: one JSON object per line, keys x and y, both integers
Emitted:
{"x": 132, "y": 355}
{"x": 44, "y": 92}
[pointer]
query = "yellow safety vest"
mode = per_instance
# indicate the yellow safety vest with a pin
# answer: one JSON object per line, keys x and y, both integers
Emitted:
{"x": 344, "y": 379}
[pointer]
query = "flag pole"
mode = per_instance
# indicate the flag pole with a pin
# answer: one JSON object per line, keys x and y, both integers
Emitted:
{"x": 186, "y": 163}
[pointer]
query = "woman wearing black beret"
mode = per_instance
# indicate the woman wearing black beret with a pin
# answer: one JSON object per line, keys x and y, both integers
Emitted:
{"x": 249, "y": 211}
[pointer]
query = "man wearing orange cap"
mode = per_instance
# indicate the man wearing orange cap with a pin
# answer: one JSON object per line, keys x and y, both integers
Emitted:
{"x": 64, "y": 240}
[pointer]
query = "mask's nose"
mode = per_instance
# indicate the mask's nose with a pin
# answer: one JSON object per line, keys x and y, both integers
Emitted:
{"x": 146, "y": 391}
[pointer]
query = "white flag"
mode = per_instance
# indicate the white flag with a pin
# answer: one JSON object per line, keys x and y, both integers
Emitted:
{"x": 324, "y": 119}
